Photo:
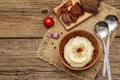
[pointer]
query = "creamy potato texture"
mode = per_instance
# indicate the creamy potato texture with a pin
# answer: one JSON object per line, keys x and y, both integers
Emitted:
{"x": 78, "y": 51}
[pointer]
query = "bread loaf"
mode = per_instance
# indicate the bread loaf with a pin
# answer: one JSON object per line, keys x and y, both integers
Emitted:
{"x": 90, "y": 5}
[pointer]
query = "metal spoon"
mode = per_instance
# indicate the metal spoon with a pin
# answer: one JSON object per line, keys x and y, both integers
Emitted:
{"x": 101, "y": 30}
{"x": 112, "y": 22}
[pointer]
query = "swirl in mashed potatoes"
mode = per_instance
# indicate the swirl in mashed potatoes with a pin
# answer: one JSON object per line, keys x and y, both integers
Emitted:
{"x": 78, "y": 51}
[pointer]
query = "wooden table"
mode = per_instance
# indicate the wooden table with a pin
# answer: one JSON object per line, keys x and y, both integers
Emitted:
{"x": 21, "y": 31}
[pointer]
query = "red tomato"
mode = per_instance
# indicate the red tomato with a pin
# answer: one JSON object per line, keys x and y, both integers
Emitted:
{"x": 48, "y": 22}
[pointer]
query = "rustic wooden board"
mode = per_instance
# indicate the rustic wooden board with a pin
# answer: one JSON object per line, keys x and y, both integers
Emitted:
{"x": 17, "y": 55}
{"x": 18, "y": 61}
{"x": 24, "y": 18}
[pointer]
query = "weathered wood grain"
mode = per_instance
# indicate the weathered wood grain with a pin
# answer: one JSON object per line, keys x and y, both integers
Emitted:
{"x": 115, "y": 3}
{"x": 24, "y": 18}
{"x": 18, "y": 60}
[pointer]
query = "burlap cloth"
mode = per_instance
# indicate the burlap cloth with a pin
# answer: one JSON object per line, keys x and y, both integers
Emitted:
{"x": 48, "y": 50}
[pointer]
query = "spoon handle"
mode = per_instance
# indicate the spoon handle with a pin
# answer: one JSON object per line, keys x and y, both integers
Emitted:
{"x": 104, "y": 64}
{"x": 107, "y": 58}
{"x": 109, "y": 70}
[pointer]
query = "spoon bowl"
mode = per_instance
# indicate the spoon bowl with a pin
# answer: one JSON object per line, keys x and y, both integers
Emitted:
{"x": 112, "y": 22}
{"x": 101, "y": 30}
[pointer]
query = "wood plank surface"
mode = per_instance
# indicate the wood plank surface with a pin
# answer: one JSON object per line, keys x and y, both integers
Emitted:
{"x": 21, "y": 31}
{"x": 24, "y": 18}
{"x": 18, "y": 61}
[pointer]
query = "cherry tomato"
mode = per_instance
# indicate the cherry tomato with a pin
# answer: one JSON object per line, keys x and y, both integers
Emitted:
{"x": 48, "y": 22}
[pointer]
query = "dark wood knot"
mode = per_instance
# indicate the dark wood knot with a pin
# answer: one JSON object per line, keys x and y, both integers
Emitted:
{"x": 45, "y": 11}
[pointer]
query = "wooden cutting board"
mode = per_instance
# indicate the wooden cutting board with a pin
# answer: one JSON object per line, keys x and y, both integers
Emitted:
{"x": 81, "y": 19}
{"x": 48, "y": 50}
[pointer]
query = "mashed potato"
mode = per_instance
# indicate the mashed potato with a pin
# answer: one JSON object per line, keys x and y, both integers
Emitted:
{"x": 78, "y": 51}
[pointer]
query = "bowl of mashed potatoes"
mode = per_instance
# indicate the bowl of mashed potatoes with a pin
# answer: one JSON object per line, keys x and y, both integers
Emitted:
{"x": 79, "y": 50}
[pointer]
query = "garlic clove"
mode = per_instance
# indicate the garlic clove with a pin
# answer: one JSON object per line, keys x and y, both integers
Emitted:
{"x": 54, "y": 35}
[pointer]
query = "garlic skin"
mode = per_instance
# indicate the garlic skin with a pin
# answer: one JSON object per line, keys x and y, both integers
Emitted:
{"x": 54, "y": 35}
